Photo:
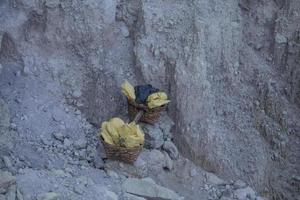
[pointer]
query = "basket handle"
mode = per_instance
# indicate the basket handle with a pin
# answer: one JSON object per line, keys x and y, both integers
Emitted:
{"x": 138, "y": 116}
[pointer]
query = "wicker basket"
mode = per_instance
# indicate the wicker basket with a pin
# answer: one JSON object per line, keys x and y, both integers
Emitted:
{"x": 149, "y": 116}
{"x": 127, "y": 155}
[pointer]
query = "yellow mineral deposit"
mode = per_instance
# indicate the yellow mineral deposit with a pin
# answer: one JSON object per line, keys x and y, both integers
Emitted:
{"x": 128, "y": 90}
{"x": 117, "y": 132}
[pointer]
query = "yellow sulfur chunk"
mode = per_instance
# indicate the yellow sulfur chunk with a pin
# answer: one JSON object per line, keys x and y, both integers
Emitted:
{"x": 116, "y": 122}
{"x": 157, "y": 103}
{"x": 105, "y": 135}
{"x": 117, "y": 132}
{"x": 107, "y": 138}
{"x": 157, "y": 96}
{"x": 130, "y": 141}
{"x": 112, "y": 130}
{"x": 131, "y": 135}
{"x": 128, "y": 90}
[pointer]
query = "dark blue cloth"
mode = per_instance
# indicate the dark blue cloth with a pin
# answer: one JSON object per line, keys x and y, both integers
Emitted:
{"x": 142, "y": 92}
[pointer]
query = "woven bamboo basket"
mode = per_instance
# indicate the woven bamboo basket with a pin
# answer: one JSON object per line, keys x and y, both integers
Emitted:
{"x": 149, "y": 116}
{"x": 124, "y": 154}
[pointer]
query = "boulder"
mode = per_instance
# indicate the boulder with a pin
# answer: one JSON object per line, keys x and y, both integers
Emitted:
{"x": 154, "y": 137}
{"x": 171, "y": 149}
{"x": 244, "y": 193}
{"x": 148, "y": 189}
{"x": 48, "y": 196}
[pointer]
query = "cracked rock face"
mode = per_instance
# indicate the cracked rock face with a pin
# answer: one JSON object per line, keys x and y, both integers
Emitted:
{"x": 231, "y": 69}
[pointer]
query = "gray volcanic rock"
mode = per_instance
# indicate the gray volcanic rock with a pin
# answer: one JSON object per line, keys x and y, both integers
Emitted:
{"x": 230, "y": 69}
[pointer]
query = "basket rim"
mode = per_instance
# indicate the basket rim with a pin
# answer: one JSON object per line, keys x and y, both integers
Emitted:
{"x": 119, "y": 147}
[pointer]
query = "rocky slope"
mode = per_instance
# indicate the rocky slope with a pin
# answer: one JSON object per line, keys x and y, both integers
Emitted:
{"x": 230, "y": 67}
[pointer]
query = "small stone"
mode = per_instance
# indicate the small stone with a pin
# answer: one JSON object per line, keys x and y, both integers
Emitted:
{"x": 77, "y": 93}
{"x": 56, "y": 118}
{"x": 98, "y": 162}
{"x": 112, "y": 174}
{"x": 18, "y": 73}
{"x": 124, "y": 30}
{"x": 80, "y": 144}
{"x": 280, "y": 39}
{"x": 45, "y": 141}
{"x": 171, "y": 149}
{"x": 19, "y": 195}
{"x": 244, "y": 193}
{"x": 213, "y": 179}
{"x": 67, "y": 142}
{"x": 49, "y": 196}
{"x": 79, "y": 189}
{"x": 26, "y": 70}
{"x": 60, "y": 173}
{"x": 59, "y": 136}
{"x": 239, "y": 184}
{"x": 7, "y": 162}
{"x": 169, "y": 161}
{"x": 77, "y": 112}
{"x": 193, "y": 172}
{"x": 13, "y": 126}
{"x": 11, "y": 193}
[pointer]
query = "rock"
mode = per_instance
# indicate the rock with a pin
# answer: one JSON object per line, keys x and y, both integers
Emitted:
{"x": 138, "y": 169}
{"x": 165, "y": 124}
{"x": 19, "y": 195}
{"x": 52, "y": 3}
{"x": 193, "y": 172}
{"x": 100, "y": 152}
{"x": 79, "y": 188}
{"x": 7, "y": 162}
{"x": 98, "y": 162}
{"x": 105, "y": 193}
{"x": 46, "y": 141}
{"x": 1, "y": 67}
{"x": 67, "y": 142}
{"x": 169, "y": 161}
{"x": 49, "y": 196}
{"x": 280, "y": 39}
{"x": 171, "y": 149}
{"x": 26, "y": 70}
{"x": 80, "y": 144}
{"x": 77, "y": 93}
{"x": 11, "y": 193}
{"x": 154, "y": 137}
{"x": 124, "y": 30}
{"x": 154, "y": 159}
{"x": 132, "y": 197}
{"x": 213, "y": 179}
{"x": 77, "y": 112}
{"x": 59, "y": 136}
{"x": 13, "y": 126}
{"x": 109, "y": 195}
{"x": 6, "y": 180}
{"x": 112, "y": 174}
{"x": 239, "y": 184}
{"x": 148, "y": 189}
{"x": 85, "y": 181}
{"x": 244, "y": 193}
{"x": 60, "y": 173}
